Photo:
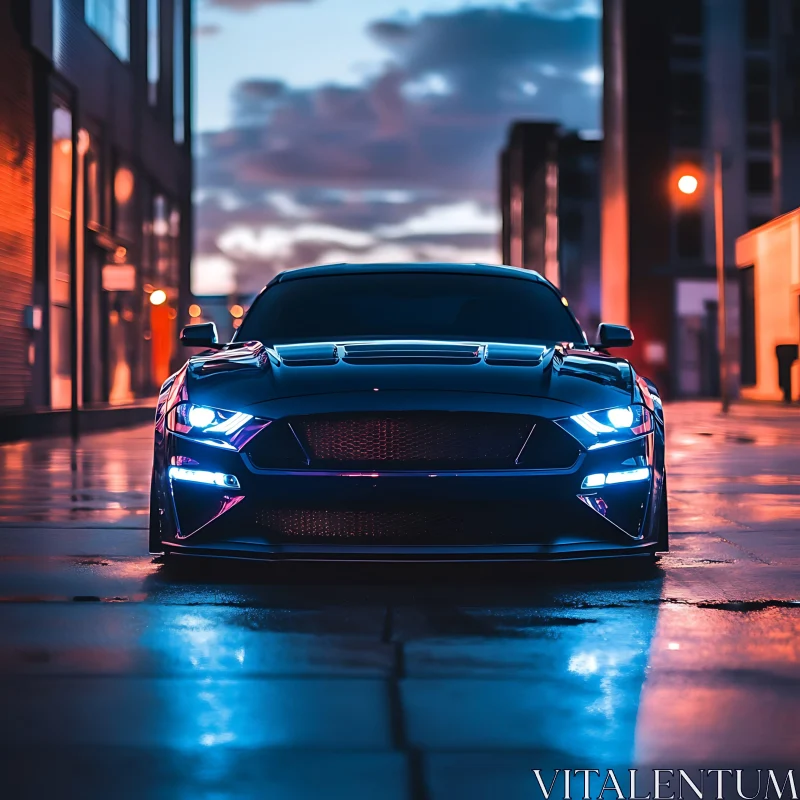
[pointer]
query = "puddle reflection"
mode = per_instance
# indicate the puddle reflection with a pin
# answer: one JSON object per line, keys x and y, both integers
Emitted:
{"x": 482, "y": 661}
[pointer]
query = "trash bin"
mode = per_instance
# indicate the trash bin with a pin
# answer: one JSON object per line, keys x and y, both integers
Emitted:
{"x": 787, "y": 355}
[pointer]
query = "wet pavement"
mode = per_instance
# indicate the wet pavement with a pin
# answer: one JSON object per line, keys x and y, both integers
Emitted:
{"x": 120, "y": 677}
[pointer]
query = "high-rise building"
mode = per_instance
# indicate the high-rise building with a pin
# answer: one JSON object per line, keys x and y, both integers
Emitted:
{"x": 95, "y": 199}
{"x": 683, "y": 81}
{"x": 529, "y": 198}
{"x": 549, "y": 198}
{"x": 579, "y": 227}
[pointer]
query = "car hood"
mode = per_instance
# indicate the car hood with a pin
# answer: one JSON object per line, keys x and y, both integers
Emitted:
{"x": 251, "y": 373}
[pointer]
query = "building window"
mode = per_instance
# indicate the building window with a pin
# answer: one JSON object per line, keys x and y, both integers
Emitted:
{"x": 178, "y": 106}
{"x": 757, "y": 72}
{"x": 689, "y": 234}
{"x": 572, "y": 226}
{"x": 757, "y": 22}
{"x": 687, "y": 50}
{"x": 757, "y": 80}
{"x": 94, "y": 187}
{"x": 60, "y": 282}
{"x": 575, "y": 184}
{"x": 759, "y": 140}
{"x": 687, "y": 17}
{"x": 747, "y": 295}
{"x": 58, "y": 33}
{"x": 757, "y": 107}
{"x": 124, "y": 203}
{"x": 759, "y": 177}
{"x": 110, "y": 20}
{"x": 153, "y": 50}
{"x": 687, "y": 108}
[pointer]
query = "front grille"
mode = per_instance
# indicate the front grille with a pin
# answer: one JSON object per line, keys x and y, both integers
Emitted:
{"x": 415, "y": 526}
{"x": 414, "y": 440}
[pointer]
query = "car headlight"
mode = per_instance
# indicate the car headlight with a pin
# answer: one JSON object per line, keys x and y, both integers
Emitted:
{"x": 228, "y": 429}
{"x": 611, "y": 426}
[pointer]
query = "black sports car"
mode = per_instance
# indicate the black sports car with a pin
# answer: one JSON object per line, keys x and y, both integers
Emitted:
{"x": 411, "y": 412}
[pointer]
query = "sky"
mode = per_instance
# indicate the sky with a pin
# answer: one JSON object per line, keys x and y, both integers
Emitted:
{"x": 370, "y": 130}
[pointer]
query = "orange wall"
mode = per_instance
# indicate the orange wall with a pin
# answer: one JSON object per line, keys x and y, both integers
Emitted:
{"x": 16, "y": 211}
{"x": 774, "y": 250}
{"x": 163, "y": 332}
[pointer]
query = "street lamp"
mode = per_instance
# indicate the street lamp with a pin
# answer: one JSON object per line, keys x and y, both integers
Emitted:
{"x": 688, "y": 184}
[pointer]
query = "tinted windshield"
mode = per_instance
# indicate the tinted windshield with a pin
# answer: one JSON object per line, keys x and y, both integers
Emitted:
{"x": 417, "y": 305}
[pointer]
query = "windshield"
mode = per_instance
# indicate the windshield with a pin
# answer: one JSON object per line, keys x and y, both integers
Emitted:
{"x": 396, "y": 305}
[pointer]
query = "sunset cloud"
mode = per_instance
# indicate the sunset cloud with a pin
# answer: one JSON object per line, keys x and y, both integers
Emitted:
{"x": 404, "y": 164}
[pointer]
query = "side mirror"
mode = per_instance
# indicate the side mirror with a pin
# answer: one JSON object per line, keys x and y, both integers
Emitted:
{"x": 613, "y": 336}
{"x": 202, "y": 335}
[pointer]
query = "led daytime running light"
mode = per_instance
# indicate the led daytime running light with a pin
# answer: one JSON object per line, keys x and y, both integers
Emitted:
{"x": 205, "y": 477}
{"x": 600, "y": 479}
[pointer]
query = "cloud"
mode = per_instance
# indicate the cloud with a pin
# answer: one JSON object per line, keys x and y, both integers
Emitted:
{"x": 213, "y": 275}
{"x": 207, "y": 29}
{"x": 275, "y": 242}
{"x": 404, "y": 165}
{"x": 568, "y": 9}
{"x": 458, "y": 218}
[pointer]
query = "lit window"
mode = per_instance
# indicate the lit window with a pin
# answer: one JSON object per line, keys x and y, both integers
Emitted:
{"x": 153, "y": 50}
{"x": 110, "y": 20}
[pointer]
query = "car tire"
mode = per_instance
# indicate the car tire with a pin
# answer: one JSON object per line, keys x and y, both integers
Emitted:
{"x": 154, "y": 539}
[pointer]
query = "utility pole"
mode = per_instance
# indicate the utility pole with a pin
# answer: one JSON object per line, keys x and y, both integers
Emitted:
{"x": 722, "y": 318}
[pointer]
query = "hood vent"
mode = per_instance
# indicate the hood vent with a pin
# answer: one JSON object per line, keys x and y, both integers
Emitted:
{"x": 515, "y": 355}
{"x": 307, "y": 355}
{"x": 412, "y": 353}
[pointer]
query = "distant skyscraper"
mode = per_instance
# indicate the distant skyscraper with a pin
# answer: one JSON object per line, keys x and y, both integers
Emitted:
{"x": 529, "y": 198}
{"x": 682, "y": 80}
{"x": 549, "y": 197}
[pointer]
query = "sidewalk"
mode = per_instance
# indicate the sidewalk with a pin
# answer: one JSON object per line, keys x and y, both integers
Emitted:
{"x": 32, "y": 424}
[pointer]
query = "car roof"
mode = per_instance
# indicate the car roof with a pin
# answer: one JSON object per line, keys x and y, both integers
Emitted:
{"x": 444, "y": 268}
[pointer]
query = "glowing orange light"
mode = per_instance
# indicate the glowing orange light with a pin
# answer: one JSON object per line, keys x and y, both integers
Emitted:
{"x": 158, "y": 297}
{"x": 195, "y": 310}
{"x": 237, "y": 323}
{"x": 237, "y": 311}
{"x": 149, "y": 288}
{"x": 687, "y": 184}
{"x": 123, "y": 185}
{"x": 84, "y": 141}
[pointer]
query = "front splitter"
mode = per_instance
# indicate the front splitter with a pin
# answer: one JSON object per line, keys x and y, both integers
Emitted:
{"x": 426, "y": 554}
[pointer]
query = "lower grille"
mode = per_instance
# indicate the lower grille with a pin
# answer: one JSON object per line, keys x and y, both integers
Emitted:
{"x": 378, "y": 527}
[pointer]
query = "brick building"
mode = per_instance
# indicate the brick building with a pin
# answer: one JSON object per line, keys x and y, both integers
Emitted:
{"x": 95, "y": 199}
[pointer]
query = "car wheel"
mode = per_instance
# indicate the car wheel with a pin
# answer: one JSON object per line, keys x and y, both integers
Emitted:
{"x": 155, "y": 545}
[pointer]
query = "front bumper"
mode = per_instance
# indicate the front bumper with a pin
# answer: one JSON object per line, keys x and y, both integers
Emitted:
{"x": 418, "y": 516}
